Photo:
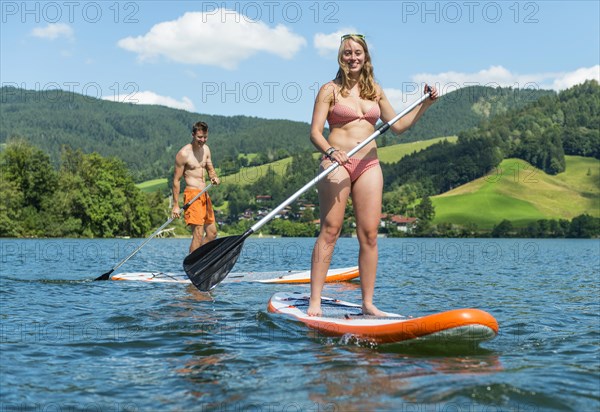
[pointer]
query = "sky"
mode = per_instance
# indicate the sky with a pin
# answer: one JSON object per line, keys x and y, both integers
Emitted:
{"x": 268, "y": 59}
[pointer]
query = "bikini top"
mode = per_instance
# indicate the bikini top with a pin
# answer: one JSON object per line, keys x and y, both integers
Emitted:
{"x": 341, "y": 114}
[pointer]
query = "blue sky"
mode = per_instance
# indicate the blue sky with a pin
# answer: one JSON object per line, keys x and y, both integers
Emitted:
{"x": 267, "y": 59}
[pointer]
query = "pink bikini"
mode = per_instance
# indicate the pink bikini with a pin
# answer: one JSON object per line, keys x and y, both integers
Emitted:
{"x": 356, "y": 167}
{"x": 340, "y": 115}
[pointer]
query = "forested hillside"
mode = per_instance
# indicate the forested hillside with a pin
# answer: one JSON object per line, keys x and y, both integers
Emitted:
{"x": 467, "y": 107}
{"x": 540, "y": 133}
{"x": 544, "y": 131}
{"x": 147, "y": 137}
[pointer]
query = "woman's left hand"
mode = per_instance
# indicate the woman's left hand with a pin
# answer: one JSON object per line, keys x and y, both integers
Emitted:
{"x": 433, "y": 93}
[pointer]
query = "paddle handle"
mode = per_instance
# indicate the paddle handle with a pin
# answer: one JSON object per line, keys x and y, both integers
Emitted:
{"x": 334, "y": 166}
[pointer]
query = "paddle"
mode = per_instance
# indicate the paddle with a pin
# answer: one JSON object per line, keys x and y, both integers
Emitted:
{"x": 208, "y": 265}
{"x": 106, "y": 276}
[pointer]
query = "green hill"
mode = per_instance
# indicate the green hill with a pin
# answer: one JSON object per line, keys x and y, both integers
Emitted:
{"x": 541, "y": 133}
{"x": 467, "y": 107}
{"x": 390, "y": 154}
{"x": 518, "y": 192}
{"x": 147, "y": 137}
{"x": 249, "y": 175}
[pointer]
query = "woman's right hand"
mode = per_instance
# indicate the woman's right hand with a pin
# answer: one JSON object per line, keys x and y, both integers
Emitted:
{"x": 339, "y": 156}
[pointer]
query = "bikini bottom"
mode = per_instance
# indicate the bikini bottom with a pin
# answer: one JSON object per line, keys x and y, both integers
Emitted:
{"x": 356, "y": 167}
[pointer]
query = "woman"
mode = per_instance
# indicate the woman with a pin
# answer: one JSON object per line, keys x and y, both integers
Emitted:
{"x": 351, "y": 104}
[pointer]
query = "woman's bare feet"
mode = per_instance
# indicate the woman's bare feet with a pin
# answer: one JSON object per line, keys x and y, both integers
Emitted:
{"x": 314, "y": 307}
{"x": 371, "y": 310}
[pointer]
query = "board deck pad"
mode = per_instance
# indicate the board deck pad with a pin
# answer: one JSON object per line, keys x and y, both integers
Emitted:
{"x": 284, "y": 277}
{"x": 341, "y": 318}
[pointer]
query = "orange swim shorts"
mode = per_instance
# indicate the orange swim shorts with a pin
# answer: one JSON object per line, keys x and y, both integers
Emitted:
{"x": 201, "y": 211}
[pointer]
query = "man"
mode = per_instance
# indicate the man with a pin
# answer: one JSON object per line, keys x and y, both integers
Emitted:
{"x": 192, "y": 162}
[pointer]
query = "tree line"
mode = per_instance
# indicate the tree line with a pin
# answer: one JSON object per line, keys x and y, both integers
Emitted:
{"x": 582, "y": 226}
{"x": 92, "y": 196}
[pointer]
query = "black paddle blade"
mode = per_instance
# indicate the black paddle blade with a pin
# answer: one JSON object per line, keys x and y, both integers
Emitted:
{"x": 208, "y": 265}
{"x": 105, "y": 276}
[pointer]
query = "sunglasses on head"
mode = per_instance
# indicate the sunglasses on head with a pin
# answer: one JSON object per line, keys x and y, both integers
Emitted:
{"x": 348, "y": 36}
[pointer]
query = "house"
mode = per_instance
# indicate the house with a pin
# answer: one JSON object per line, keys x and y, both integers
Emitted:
{"x": 246, "y": 215}
{"x": 263, "y": 198}
{"x": 402, "y": 223}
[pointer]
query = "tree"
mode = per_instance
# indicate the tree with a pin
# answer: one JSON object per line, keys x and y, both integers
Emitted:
{"x": 425, "y": 211}
{"x": 394, "y": 202}
{"x": 307, "y": 215}
{"x": 238, "y": 200}
{"x": 584, "y": 226}
{"x": 29, "y": 169}
{"x": 10, "y": 207}
{"x": 502, "y": 229}
{"x": 101, "y": 193}
{"x": 470, "y": 229}
{"x": 286, "y": 228}
{"x": 28, "y": 182}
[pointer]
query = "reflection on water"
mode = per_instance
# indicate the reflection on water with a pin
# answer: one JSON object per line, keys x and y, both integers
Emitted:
{"x": 197, "y": 295}
{"x": 339, "y": 288}
{"x": 374, "y": 381}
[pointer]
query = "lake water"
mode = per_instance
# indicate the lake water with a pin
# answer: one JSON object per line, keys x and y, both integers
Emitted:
{"x": 70, "y": 344}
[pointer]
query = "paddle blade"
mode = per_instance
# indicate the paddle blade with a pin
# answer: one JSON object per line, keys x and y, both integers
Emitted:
{"x": 105, "y": 276}
{"x": 208, "y": 265}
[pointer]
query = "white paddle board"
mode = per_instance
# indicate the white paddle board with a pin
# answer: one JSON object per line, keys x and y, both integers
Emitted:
{"x": 334, "y": 275}
{"x": 341, "y": 318}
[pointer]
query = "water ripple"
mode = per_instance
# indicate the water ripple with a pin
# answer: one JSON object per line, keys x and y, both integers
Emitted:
{"x": 68, "y": 343}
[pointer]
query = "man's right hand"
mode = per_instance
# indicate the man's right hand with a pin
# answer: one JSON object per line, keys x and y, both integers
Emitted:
{"x": 176, "y": 212}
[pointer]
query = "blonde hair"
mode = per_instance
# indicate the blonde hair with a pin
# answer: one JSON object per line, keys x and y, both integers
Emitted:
{"x": 366, "y": 80}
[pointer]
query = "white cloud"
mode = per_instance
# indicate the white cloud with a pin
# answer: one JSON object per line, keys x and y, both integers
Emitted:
{"x": 575, "y": 77}
{"x": 493, "y": 76}
{"x": 221, "y": 38}
{"x": 499, "y": 76}
{"x": 328, "y": 44}
{"x": 410, "y": 92}
{"x": 148, "y": 97}
{"x": 397, "y": 98}
{"x": 54, "y": 31}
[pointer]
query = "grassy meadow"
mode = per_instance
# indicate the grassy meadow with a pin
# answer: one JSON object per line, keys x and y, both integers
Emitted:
{"x": 521, "y": 193}
{"x": 154, "y": 185}
{"x": 391, "y": 154}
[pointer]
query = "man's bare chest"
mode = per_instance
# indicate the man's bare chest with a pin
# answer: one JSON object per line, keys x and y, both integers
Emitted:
{"x": 195, "y": 160}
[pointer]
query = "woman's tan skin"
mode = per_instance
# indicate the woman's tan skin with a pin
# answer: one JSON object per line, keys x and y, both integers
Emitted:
{"x": 367, "y": 190}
